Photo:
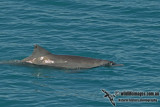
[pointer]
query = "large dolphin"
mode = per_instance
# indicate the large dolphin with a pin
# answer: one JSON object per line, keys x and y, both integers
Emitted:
{"x": 41, "y": 56}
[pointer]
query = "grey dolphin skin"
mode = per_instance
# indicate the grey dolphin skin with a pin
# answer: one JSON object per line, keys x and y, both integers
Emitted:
{"x": 41, "y": 56}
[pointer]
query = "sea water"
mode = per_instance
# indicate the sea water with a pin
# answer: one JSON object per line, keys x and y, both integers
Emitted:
{"x": 124, "y": 31}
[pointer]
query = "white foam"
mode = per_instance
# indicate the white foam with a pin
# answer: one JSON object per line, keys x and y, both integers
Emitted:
{"x": 41, "y": 58}
{"x": 29, "y": 61}
{"x": 48, "y": 61}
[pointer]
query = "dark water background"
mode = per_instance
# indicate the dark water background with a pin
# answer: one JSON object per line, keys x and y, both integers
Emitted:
{"x": 124, "y": 31}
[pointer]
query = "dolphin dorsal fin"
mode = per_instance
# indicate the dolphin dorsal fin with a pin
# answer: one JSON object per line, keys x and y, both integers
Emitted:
{"x": 39, "y": 51}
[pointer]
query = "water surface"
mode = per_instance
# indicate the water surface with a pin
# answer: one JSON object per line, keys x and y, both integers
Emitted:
{"x": 124, "y": 31}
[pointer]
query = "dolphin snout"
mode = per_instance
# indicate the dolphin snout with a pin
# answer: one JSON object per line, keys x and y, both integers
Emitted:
{"x": 111, "y": 63}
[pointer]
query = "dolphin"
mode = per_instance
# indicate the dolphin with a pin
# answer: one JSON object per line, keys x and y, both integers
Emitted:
{"x": 41, "y": 56}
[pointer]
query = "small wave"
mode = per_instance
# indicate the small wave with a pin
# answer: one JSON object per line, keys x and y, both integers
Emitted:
{"x": 11, "y": 62}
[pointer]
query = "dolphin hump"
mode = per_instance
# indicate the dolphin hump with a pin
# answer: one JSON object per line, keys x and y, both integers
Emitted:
{"x": 39, "y": 51}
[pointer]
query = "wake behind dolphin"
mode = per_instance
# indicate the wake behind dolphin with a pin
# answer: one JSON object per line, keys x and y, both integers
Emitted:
{"x": 41, "y": 56}
{"x": 15, "y": 62}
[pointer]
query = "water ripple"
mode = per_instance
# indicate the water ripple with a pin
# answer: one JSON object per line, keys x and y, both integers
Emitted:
{"x": 126, "y": 32}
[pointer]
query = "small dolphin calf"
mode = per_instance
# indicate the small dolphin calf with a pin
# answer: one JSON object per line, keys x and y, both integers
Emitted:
{"x": 41, "y": 56}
